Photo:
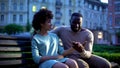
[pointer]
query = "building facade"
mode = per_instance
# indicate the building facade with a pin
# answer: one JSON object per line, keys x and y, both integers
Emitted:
{"x": 94, "y": 13}
{"x": 114, "y": 20}
{"x": 13, "y": 11}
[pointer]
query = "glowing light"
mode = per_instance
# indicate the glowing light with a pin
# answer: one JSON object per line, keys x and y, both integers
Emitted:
{"x": 100, "y": 35}
{"x": 104, "y": 1}
{"x": 34, "y": 8}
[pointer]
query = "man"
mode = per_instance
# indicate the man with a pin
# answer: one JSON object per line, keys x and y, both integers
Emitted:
{"x": 76, "y": 35}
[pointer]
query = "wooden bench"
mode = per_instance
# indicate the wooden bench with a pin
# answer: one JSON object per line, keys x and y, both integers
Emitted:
{"x": 15, "y": 52}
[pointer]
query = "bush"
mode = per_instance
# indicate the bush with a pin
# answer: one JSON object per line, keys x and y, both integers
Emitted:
{"x": 28, "y": 26}
{"x": 112, "y": 53}
{"x": 110, "y": 56}
{"x": 106, "y": 48}
{"x": 13, "y": 29}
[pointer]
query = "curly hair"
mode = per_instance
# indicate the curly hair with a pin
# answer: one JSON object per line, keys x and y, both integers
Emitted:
{"x": 40, "y": 17}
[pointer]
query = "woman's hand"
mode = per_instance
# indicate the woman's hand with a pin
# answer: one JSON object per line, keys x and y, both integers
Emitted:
{"x": 60, "y": 56}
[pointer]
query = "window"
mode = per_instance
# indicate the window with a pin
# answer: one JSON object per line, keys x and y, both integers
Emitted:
{"x": 79, "y": 1}
{"x": 117, "y": 21}
{"x": 57, "y": 10}
{"x": 14, "y": 18}
{"x": 43, "y": 0}
{"x": 14, "y": 6}
{"x": 110, "y": 20}
{"x": 90, "y": 6}
{"x": 2, "y": 18}
{"x": 94, "y": 25}
{"x": 21, "y": 18}
{"x": 21, "y": 6}
{"x": 34, "y": 8}
{"x": 2, "y": 6}
{"x": 57, "y": 23}
{"x": 70, "y": 3}
{"x": 93, "y": 7}
{"x": 117, "y": 7}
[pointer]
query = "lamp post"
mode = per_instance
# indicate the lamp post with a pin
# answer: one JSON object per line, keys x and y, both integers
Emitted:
{"x": 100, "y": 35}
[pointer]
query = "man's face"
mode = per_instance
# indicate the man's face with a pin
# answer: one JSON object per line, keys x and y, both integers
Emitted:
{"x": 76, "y": 23}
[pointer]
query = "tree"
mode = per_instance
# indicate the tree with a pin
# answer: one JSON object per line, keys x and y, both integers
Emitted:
{"x": 13, "y": 28}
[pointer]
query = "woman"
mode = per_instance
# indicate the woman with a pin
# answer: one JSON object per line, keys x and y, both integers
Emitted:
{"x": 46, "y": 50}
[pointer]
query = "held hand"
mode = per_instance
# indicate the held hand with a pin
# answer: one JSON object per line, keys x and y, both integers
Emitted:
{"x": 78, "y": 46}
{"x": 60, "y": 56}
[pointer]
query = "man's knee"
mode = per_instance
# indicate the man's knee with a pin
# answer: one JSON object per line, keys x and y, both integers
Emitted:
{"x": 71, "y": 63}
{"x": 82, "y": 63}
{"x": 99, "y": 62}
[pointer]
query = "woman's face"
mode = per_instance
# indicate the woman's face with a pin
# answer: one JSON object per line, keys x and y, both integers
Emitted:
{"x": 47, "y": 25}
{"x": 76, "y": 23}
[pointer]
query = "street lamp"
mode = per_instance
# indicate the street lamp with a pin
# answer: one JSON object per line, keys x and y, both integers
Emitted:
{"x": 34, "y": 8}
{"x": 100, "y": 35}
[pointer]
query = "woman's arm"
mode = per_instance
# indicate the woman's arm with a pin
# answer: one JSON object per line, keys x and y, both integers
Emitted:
{"x": 68, "y": 51}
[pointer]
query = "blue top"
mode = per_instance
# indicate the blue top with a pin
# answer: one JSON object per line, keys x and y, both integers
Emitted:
{"x": 46, "y": 46}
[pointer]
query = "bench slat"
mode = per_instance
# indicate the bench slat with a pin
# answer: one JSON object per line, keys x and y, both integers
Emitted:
{"x": 8, "y": 42}
{"x": 15, "y": 55}
{"x": 16, "y": 62}
{"x": 10, "y": 62}
{"x": 10, "y": 49}
{"x": 15, "y": 49}
{"x": 6, "y": 37}
{"x": 10, "y": 55}
{"x": 14, "y": 42}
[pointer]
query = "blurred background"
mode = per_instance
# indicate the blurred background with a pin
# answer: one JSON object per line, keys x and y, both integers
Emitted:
{"x": 102, "y": 17}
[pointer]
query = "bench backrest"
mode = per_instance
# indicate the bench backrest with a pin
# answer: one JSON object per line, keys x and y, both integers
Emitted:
{"x": 15, "y": 51}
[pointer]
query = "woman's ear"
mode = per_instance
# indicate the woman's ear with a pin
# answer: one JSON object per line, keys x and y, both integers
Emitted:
{"x": 41, "y": 25}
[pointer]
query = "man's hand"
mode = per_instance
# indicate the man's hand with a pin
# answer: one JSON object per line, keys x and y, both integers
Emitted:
{"x": 78, "y": 46}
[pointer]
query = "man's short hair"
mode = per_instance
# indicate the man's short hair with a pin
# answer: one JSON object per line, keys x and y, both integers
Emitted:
{"x": 77, "y": 14}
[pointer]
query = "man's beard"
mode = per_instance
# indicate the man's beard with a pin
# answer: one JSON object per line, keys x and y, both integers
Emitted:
{"x": 75, "y": 30}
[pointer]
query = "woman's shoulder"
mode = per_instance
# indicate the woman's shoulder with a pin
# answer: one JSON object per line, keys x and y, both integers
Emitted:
{"x": 52, "y": 34}
{"x": 35, "y": 37}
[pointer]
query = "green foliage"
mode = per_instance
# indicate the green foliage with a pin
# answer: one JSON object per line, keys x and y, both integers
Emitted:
{"x": 112, "y": 53}
{"x": 106, "y": 48}
{"x": 13, "y": 28}
{"x": 113, "y": 57}
{"x": 28, "y": 26}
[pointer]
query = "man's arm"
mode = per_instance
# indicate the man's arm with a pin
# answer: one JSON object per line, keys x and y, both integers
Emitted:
{"x": 85, "y": 49}
{"x": 88, "y": 46}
